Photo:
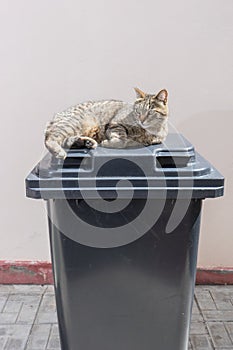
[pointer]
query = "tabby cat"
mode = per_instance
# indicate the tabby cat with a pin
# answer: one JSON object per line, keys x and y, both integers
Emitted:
{"x": 109, "y": 123}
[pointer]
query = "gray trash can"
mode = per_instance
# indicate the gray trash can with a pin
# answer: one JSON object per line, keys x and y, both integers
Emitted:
{"x": 124, "y": 228}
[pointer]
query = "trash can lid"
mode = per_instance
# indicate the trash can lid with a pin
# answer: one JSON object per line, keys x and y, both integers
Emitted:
{"x": 172, "y": 169}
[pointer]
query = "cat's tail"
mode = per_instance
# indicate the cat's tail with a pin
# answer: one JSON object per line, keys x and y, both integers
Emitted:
{"x": 54, "y": 147}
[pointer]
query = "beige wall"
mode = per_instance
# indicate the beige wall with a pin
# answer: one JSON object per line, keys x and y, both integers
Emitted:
{"x": 56, "y": 53}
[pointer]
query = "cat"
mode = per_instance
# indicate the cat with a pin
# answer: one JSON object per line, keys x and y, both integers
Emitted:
{"x": 109, "y": 123}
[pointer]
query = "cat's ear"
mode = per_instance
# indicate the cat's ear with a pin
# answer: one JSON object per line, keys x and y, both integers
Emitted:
{"x": 139, "y": 93}
{"x": 162, "y": 96}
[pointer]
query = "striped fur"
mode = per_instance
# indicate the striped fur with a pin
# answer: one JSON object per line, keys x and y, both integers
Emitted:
{"x": 109, "y": 123}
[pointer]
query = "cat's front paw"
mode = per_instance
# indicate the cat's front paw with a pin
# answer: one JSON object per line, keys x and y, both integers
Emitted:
{"x": 114, "y": 142}
{"x": 156, "y": 141}
{"x": 105, "y": 143}
{"x": 89, "y": 142}
{"x": 80, "y": 141}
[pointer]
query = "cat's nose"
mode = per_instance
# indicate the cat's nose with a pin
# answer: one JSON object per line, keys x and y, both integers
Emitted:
{"x": 143, "y": 117}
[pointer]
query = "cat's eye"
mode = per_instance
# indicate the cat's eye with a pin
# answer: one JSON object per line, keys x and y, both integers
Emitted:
{"x": 152, "y": 106}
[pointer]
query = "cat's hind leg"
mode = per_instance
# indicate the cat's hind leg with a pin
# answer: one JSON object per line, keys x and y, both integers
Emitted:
{"x": 55, "y": 148}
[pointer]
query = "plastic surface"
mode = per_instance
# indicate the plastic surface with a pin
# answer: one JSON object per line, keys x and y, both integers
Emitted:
{"x": 157, "y": 171}
{"x": 137, "y": 296}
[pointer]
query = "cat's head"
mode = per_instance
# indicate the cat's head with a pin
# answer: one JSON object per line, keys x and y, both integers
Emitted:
{"x": 149, "y": 108}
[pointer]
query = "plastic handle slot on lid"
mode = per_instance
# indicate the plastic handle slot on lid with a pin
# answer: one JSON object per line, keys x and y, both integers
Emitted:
{"x": 174, "y": 160}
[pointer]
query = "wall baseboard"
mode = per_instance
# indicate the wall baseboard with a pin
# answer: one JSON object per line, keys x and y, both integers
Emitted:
{"x": 214, "y": 275}
{"x": 40, "y": 272}
{"x": 26, "y": 272}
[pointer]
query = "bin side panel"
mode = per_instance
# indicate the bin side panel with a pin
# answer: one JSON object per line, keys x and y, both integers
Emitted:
{"x": 137, "y": 296}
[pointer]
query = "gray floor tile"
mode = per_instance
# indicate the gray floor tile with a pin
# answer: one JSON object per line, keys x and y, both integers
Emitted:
{"x": 54, "y": 341}
{"x": 219, "y": 334}
{"x": 201, "y": 342}
{"x": 14, "y": 337}
{"x": 39, "y": 337}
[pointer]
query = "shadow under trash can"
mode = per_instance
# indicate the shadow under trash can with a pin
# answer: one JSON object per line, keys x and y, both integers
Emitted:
{"x": 124, "y": 228}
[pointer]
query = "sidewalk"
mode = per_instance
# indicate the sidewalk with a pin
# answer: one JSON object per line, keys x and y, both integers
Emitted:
{"x": 28, "y": 318}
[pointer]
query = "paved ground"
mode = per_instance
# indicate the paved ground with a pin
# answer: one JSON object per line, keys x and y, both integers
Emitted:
{"x": 28, "y": 318}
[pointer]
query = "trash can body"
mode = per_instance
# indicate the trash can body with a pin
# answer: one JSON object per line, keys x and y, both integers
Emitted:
{"x": 136, "y": 296}
{"x": 124, "y": 279}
